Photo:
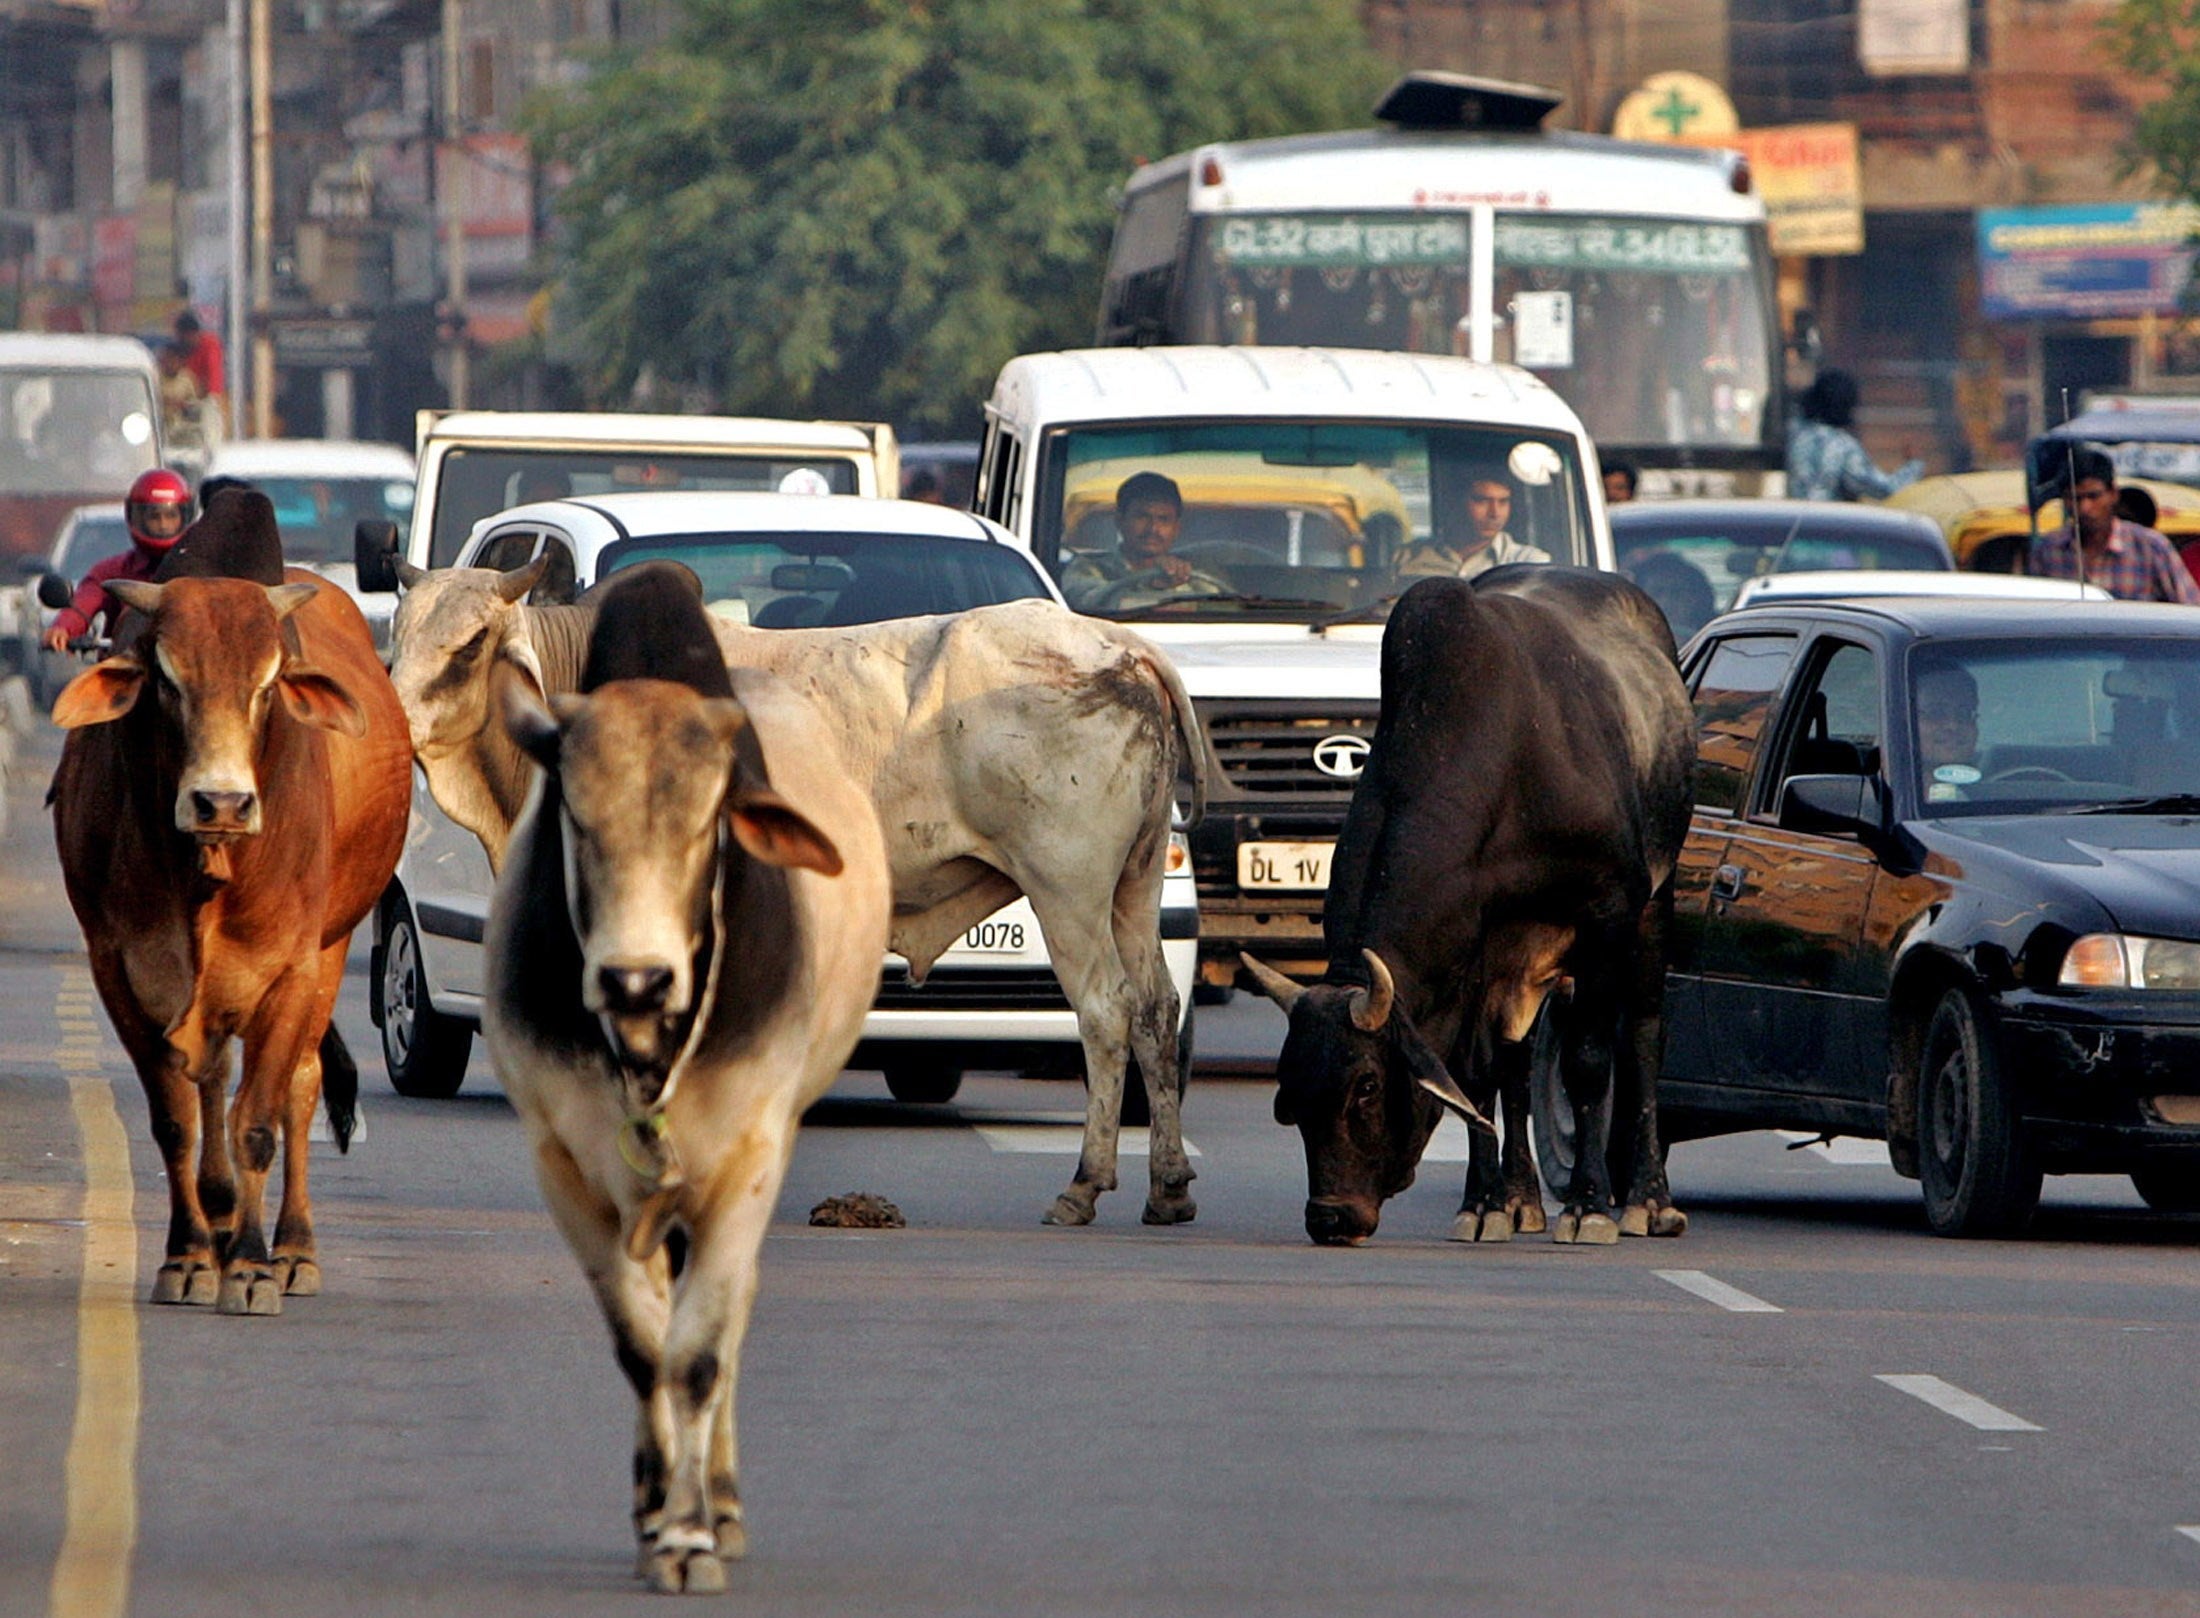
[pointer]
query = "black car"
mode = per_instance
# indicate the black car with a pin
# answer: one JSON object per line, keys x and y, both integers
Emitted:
{"x": 1942, "y": 886}
{"x": 1693, "y": 556}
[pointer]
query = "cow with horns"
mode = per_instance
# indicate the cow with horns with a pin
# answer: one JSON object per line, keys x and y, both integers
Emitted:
{"x": 682, "y": 947}
{"x": 1515, "y": 831}
{"x": 230, "y": 803}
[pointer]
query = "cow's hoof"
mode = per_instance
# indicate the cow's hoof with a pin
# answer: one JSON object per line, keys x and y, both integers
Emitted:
{"x": 1528, "y": 1219}
{"x": 1585, "y": 1229}
{"x": 1634, "y": 1220}
{"x": 301, "y": 1277}
{"x": 1073, "y": 1207}
{"x": 249, "y": 1292}
{"x": 1667, "y": 1220}
{"x": 187, "y": 1281}
{"x": 674, "y": 1571}
{"x": 1482, "y": 1225}
{"x": 732, "y": 1539}
{"x": 1173, "y": 1209}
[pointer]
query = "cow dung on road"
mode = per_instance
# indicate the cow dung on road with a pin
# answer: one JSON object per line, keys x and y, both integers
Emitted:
{"x": 858, "y": 1210}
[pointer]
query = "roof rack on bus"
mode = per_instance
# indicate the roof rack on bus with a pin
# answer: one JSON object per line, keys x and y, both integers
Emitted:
{"x": 1432, "y": 99}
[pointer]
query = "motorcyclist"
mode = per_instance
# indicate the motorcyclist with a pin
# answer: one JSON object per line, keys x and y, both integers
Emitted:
{"x": 156, "y": 512}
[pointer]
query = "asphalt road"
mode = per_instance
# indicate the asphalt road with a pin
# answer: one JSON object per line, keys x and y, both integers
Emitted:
{"x": 1806, "y": 1405}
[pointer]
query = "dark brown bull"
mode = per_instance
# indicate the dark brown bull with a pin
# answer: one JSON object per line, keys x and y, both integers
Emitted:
{"x": 230, "y": 803}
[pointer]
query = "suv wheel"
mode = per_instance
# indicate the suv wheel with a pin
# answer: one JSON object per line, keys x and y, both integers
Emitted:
{"x": 424, "y": 1050}
{"x": 1978, "y": 1177}
{"x": 925, "y": 1080}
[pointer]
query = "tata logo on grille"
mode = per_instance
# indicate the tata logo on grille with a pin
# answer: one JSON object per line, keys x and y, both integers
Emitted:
{"x": 1342, "y": 756}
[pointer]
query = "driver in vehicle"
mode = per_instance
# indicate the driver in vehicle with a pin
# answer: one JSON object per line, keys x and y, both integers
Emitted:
{"x": 1947, "y": 732}
{"x": 1143, "y": 568}
{"x": 1487, "y": 510}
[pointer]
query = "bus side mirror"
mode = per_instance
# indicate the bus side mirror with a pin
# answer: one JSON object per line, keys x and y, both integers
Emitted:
{"x": 53, "y": 591}
{"x": 374, "y": 553}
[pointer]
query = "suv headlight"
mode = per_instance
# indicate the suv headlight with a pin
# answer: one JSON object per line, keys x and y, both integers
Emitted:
{"x": 2116, "y": 961}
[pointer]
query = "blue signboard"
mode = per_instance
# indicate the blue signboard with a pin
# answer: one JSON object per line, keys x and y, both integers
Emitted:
{"x": 2085, "y": 263}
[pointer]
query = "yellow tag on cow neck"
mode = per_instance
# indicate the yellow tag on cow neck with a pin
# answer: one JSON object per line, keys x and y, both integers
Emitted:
{"x": 645, "y": 1141}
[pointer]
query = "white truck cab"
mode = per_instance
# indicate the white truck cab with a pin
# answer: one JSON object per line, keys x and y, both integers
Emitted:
{"x": 1310, "y": 487}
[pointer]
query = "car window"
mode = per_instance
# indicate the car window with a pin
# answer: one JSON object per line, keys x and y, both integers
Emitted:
{"x": 1834, "y": 722}
{"x": 316, "y": 515}
{"x": 1695, "y": 569}
{"x": 2054, "y": 722}
{"x": 92, "y": 539}
{"x": 1733, "y": 699}
{"x": 805, "y": 580}
{"x": 516, "y": 547}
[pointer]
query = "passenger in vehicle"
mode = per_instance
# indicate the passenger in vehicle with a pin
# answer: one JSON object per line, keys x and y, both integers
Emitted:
{"x": 1679, "y": 588}
{"x": 1947, "y": 732}
{"x": 1487, "y": 513}
{"x": 1619, "y": 482}
{"x": 1143, "y": 568}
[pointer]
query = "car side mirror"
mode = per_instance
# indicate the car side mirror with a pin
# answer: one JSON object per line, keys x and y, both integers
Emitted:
{"x": 374, "y": 553}
{"x": 53, "y": 591}
{"x": 1833, "y": 805}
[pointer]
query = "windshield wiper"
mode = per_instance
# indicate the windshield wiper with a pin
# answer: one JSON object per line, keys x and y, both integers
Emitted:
{"x": 1240, "y": 597}
{"x": 2168, "y": 803}
{"x": 1352, "y": 615}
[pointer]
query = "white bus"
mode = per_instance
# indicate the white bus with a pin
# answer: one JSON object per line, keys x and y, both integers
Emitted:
{"x": 1632, "y": 278}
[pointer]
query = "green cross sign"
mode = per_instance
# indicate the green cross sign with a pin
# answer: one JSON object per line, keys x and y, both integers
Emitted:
{"x": 1675, "y": 112}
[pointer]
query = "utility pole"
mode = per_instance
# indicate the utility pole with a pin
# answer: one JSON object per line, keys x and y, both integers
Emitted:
{"x": 235, "y": 337}
{"x": 455, "y": 162}
{"x": 263, "y": 222}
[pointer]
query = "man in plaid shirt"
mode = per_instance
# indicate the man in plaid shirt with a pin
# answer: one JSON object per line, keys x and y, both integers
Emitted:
{"x": 2129, "y": 562}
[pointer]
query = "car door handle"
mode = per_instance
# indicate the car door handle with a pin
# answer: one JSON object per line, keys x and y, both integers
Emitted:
{"x": 1726, "y": 883}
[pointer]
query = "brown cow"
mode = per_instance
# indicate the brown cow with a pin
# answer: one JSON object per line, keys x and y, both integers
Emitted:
{"x": 230, "y": 803}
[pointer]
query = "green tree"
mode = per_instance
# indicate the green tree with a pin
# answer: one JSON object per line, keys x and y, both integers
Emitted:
{"x": 863, "y": 207}
{"x": 2160, "y": 40}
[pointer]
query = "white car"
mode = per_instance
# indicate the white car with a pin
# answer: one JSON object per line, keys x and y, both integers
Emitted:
{"x": 322, "y": 488}
{"x": 772, "y": 561}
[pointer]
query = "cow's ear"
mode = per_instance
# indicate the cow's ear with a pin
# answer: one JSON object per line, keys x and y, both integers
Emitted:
{"x": 771, "y": 829}
{"x": 1427, "y": 1070}
{"x": 517, "y": 653}
{"x": 534, "y": 730}
{"x": 105, "y": 691}
{"x": 317, "y": 699}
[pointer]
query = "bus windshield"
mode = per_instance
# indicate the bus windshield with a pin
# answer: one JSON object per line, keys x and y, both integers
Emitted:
{"x": 1657, "y": 332}
{"x": 74, "y": 432}
{"x": 1297, "y": 520}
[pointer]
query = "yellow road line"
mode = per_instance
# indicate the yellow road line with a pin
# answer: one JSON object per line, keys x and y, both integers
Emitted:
{"x": 91, "y": 1577}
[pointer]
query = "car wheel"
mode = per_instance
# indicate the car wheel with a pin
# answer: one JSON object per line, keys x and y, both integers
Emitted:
{"x": 1550, "y": 1114}
{"x": 1978, "y": 1176}
{"x": 925, "y": 1080}
{"x": 424, "y": 1050}
{"x": 2170, "y": 1189}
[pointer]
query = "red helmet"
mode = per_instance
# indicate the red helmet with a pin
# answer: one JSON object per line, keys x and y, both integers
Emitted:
{"x": 158, "y": 507}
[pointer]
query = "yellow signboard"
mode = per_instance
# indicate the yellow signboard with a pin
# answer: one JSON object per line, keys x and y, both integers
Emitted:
{"x": 1812, "y": 186}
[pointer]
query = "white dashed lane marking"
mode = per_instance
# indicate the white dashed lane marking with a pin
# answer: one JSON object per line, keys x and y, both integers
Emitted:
{"x": 1951, "y": 1400}
{"x": 2190, "y": 1530}
{"x": 1713, "y": 1290}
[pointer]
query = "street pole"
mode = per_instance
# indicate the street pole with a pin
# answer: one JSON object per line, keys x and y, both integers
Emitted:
{"x": 455, "y": 163}
{"x": 235, "y": 337}
{"x": 263, "y": 222}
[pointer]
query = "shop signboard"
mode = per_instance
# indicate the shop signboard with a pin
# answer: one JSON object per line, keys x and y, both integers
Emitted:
{"x": 2090, "y": 262}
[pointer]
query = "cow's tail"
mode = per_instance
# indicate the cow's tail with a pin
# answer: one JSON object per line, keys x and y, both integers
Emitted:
{"x": 1194, "y": 759}
{"x": 339, "y": 1087}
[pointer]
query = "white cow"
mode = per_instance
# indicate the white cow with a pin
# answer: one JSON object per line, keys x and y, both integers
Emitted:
{"x": 1012, "y": 749}
{"x": 682, "y": 947}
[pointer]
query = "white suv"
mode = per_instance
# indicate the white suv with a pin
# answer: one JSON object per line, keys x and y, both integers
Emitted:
{"x": 771, "y": 561}
{"x": 1312, "y": 485}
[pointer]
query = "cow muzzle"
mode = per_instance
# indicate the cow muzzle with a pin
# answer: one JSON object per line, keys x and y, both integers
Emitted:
{"x": 641, "y": 1005}
{"x": 1335, "y": 1222}
{"x": 209, "y": 812}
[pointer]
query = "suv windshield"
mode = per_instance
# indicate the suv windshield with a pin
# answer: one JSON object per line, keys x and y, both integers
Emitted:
{"x": 478, "y": 483}
{"x": 2076, "y": 724}
{"x": 315, "y": 515}
{"x": 803, "y": 581}
{"x": 74, "y": 432}
{"x": 1297, "y": 520}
